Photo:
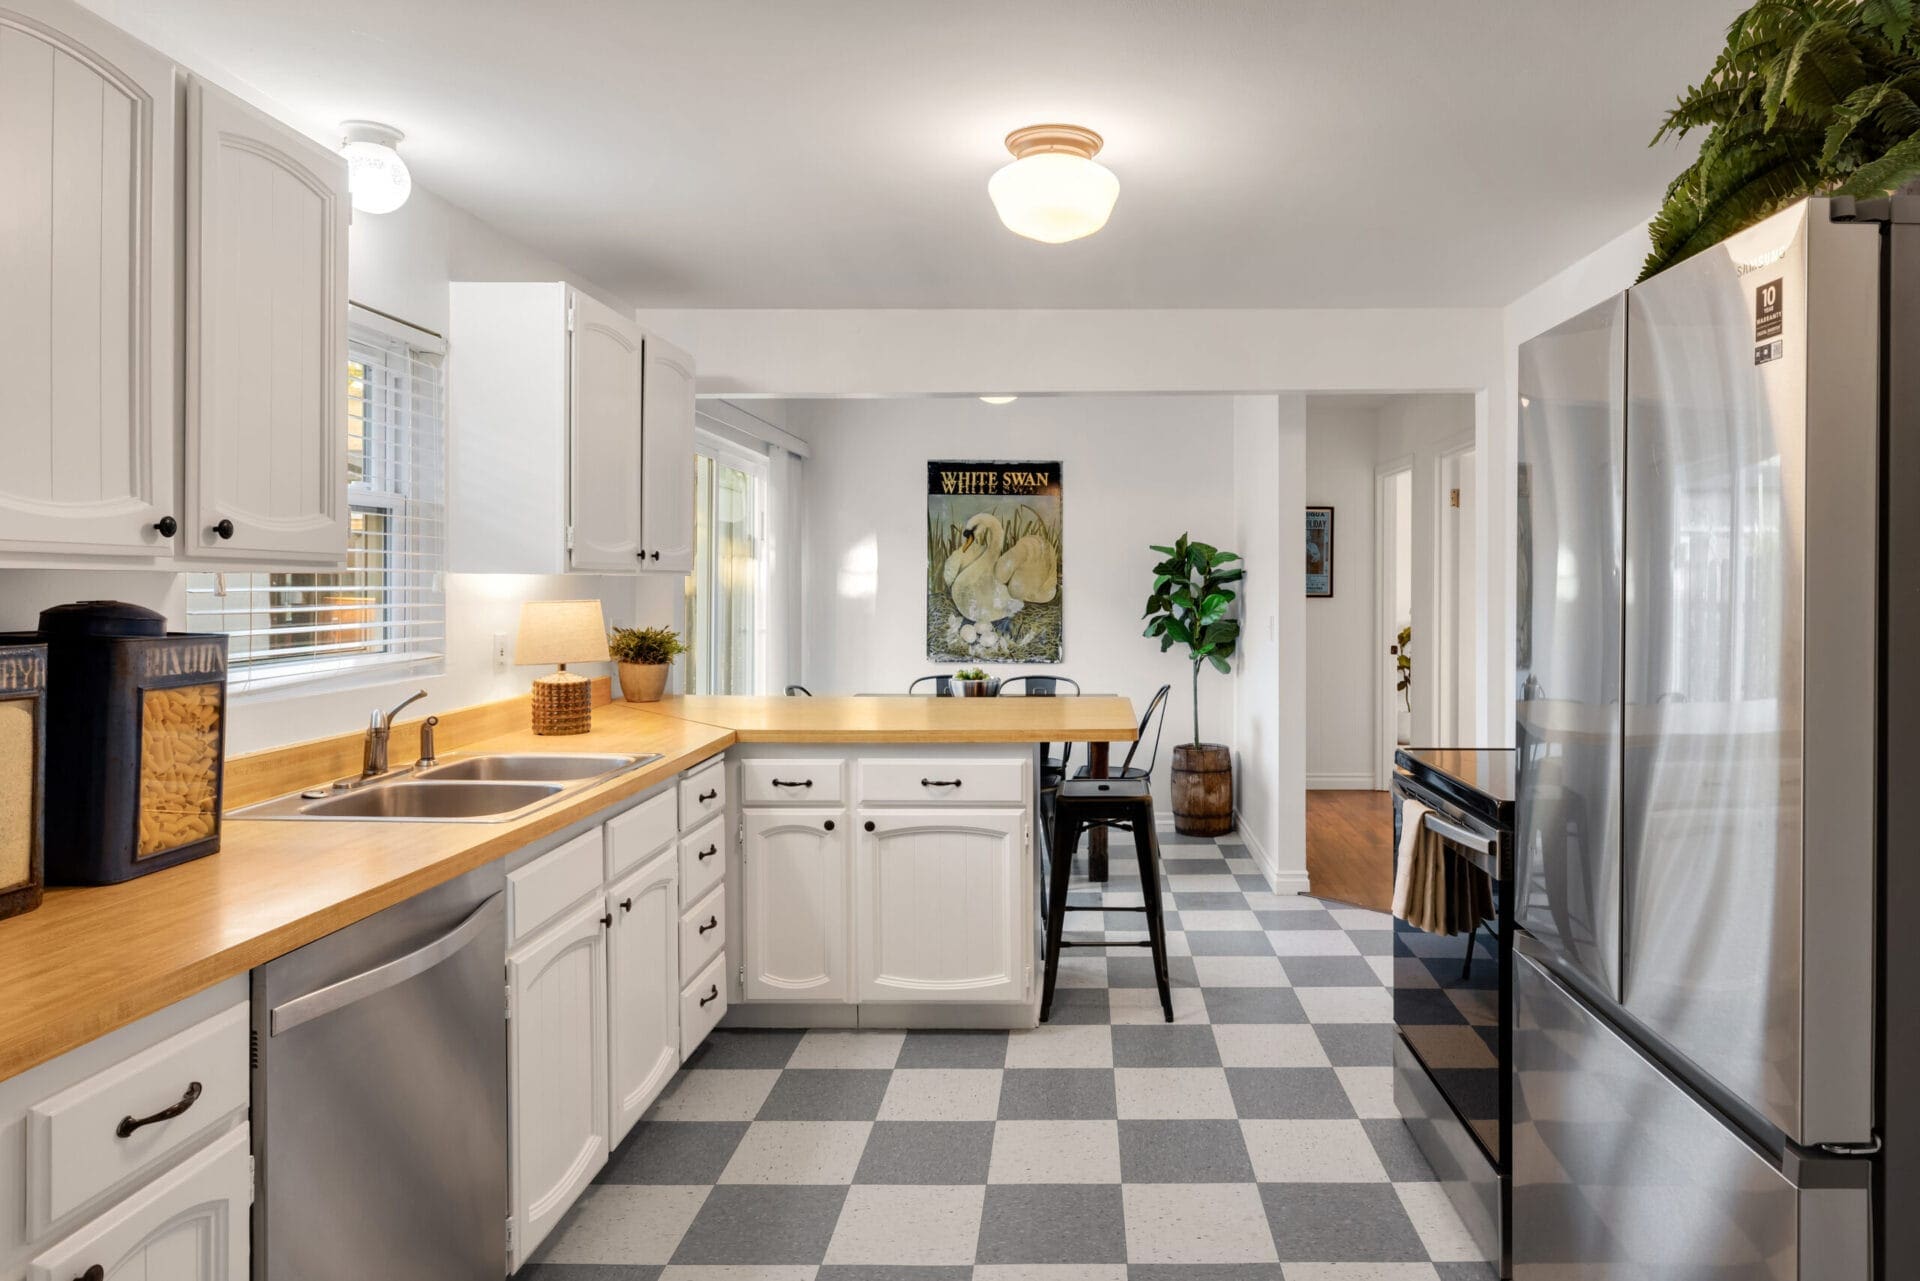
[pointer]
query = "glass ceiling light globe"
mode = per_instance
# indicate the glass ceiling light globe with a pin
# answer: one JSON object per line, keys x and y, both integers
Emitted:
{"x": 1054, "y": 191}
{"x": 999, "y": 400}
{"x": 377, "y": 177}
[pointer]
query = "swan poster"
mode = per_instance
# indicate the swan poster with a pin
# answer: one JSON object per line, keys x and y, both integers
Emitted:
{"x": 993, "y": 562}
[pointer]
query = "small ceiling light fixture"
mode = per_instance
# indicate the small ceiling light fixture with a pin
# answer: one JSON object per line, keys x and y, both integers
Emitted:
{"x": 999, "y": 400}
{"x": 377, "y": 177}
{"x": 1054, "y": 191}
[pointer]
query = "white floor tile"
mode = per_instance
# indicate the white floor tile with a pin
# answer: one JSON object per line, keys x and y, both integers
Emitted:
{"x": 715, "y": 1096}
{"x": 798, "y": 1152}
{"x": 1082, "y": 970}
{"x": 1172, "y": 1094}
{"x": 821, "y": 1048}
{"x": 1219, "y": 921}
{"x": 1360, "y": 1272}
{"x": 942, "y": 1094}
{"x": 1061, "y": 1045}
{"x": 739, "y": 1272}
{"x": 1311, "y": 943}
{"x": 1434, "y": 1218}
{"x": 1360, "y": 918}
{"x": 1239, "y": 971}
{"x": 1269, "y": 1045}
{"x": 1049, "y": 1272}
{"x": 908, "y": 1226}
{"x": 1346, "y": 1004}
{"x": 1196, "y": 1223}
{"x": 1370, "y": 1090}
{"x": 1267, "y": 901}
{"x": 1055, "y": 1152}
{"x": 619, "y": 1223}
{"x": 1133, "y": 1005}
{"x": 1311, "y": 1152}
{"x": 1202, "y": 883}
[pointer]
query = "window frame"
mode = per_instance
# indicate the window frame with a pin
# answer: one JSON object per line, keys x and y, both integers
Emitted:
{"x": 724, "y": 452}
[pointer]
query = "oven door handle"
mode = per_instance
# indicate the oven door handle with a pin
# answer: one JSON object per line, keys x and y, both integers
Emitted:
{"x": 1457, "y": 834}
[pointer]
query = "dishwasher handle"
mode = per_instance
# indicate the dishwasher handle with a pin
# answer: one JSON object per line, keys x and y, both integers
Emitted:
{"x": 337, "y": 996}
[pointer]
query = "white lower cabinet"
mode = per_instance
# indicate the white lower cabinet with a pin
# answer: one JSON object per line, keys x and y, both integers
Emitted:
{"x": 795, "y": 905}
{"x": 557, "y": 1071}
{"x": 643, "y": 988}
{"x": 190, "y": 1224}
{"x": 937, "y": 902}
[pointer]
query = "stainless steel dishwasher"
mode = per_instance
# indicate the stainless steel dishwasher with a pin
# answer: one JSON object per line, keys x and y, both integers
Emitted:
{"x": 380, "y": 1095}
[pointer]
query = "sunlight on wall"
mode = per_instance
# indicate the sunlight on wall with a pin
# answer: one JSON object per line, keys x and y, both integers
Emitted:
{"x": 860, "y": 570}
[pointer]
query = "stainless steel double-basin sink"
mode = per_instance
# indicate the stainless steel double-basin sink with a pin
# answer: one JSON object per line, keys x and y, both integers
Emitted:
{"x": 467, "y": 789}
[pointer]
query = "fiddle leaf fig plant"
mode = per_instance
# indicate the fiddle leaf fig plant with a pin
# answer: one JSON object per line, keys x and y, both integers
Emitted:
{"x": 1808, "y": 98}
{"x": 1189, "y": 606}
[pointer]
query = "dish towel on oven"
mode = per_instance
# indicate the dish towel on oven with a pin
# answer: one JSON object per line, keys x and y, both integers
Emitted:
{"x": 1434, "y": 889}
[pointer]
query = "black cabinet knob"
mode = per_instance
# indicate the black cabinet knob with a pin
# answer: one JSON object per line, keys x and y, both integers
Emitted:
{"x": 607, "y": 920}
{"x": 626, "y": 905}
{"x": 224, "y": 528}
{"x": 829, "y": 825}
{"x": 166, "y": 527}
{"x": 869, "y": 825}
{"x": 641, "y": 555}
{"x": 655, "y": 555}
{"x": 94, "y": 1273}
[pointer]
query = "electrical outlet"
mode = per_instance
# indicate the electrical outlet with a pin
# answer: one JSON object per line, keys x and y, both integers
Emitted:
{"x": 499, "y": 651}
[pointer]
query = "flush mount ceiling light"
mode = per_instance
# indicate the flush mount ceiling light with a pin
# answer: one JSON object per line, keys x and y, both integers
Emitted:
{"x": 1054, "y": 191}
{"x": 377, "y": 177}
{"x": 999, "y": 400}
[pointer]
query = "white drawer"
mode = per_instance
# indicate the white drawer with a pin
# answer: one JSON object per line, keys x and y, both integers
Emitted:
{"x": 640, "y": 833}
{"x": 703, "y": 793}
{"x": 552, "y": 883}
{"x": 703, "y": 859}
{"x": 75, "y": 1148}
{"x": 943, "y": 782}
{"x": 702, "y": 1005}
{"x": 703, "y": 930}
{"x": 792, "y": 782}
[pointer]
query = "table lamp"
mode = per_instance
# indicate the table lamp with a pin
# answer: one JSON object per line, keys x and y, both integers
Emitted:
{"x": 562, "y": 632}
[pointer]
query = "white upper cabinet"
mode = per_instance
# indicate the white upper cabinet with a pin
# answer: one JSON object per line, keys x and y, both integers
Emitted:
{"x": 666, "y": 504}
{"x": 605, "y": 381}
{"x": 939, "y": 901}
{"x": 794, "y": 883}
{"x": 266, "y": 370}
{"x": 87, "y": 142}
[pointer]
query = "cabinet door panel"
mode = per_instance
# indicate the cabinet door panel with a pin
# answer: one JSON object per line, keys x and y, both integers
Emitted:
{"x": 666, "y": 508}
{"x": 605, "y": 395}
{"x": 190, "y": 1224}
{"x": 557, "y": 1068}
{"x": 643, "y": 988}
{"x": 87, "y": 131}
{"x": 795, "y": 915}
{"x": 939, "y": 905}
{"x": 266, "y": 337}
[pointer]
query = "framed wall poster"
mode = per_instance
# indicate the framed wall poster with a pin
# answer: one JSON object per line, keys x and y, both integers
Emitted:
{"x": 993, "y": 562}
{"x": 1319, "y": 551}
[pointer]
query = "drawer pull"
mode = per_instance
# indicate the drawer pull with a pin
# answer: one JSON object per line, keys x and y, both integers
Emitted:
{"x": 787, "y": 782}
{"x": 129, "y": 1124}
{"x": 939, "y": 782}
{"x": 704, "y": 797}
{"x": 713, "y": 922}
{"x": 708, "y": 852}
{"x": 713, "y": 994}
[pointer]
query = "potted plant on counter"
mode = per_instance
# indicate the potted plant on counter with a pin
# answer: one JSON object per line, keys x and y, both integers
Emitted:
{"x": 645, "y": 656}
{"x": 1188, "y": 606}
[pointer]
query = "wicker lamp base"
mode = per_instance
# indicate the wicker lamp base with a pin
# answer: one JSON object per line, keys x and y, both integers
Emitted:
{"x": 562, "y": 704}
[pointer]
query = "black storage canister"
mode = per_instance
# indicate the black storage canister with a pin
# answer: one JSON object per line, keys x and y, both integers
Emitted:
{"x": 136, "y": 741}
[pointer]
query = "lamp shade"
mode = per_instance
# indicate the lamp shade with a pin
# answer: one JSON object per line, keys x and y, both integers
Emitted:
{"x": 561, "y": 631}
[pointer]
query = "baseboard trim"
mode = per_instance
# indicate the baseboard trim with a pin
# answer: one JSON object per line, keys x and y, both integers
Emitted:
{"x": 1361, "y": 782}
{"x": 1291, "y": 882}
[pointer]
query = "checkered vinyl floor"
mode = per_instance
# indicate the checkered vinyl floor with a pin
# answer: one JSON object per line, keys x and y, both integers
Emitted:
{"x": 1253, "y": 1139}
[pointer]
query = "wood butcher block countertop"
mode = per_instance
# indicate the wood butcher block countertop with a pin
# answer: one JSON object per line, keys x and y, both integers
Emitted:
{"x": 93, "y": 959}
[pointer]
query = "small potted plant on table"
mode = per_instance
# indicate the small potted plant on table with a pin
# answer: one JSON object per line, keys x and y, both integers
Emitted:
{"x": 973, "y": 682}
{"x": 645, "y": 656}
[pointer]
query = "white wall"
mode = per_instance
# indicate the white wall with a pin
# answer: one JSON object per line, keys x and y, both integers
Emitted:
{"x": 1134, "y": 471}
{"x": 1343, "y": 658}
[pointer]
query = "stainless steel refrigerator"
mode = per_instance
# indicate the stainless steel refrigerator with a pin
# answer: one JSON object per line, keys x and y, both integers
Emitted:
{"x": 1714, "y": 1007}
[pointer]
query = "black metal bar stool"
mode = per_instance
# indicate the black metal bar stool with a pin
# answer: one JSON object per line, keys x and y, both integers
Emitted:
{"x": 1078, "y": 806}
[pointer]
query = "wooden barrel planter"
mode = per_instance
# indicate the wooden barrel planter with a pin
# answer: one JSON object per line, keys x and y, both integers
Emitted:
{"x": 1202, "y": 789}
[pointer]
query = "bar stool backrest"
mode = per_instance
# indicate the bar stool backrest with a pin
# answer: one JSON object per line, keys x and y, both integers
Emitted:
{"x": 1040, "y": 686}
{"x": 799, "y": 691}
{"x": 1156, "y": 716}
{"x": 942, "y": 686}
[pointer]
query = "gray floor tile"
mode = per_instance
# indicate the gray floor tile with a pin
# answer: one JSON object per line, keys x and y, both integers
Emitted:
{"x": 889, "y": 1272}
{"x": 1357, "y": 1044}
{"x": 763, "y": 1224}
{"x": 1218, "y": 901}
{"x": 1286, "y": 1094}
{"x": 945, "y": 1152}
{"x": 1078, "y": 1005}
{"x": 826, "y": 1094}
{"x": 1329, "y": 971}
{"x": 744, "y": 1048}
{"x": 982, "y": 1049}
{"x": 1253, "y": 883}
{"x": 1348, "y": 1222}
{"x": 1394, "y": 1145}
{"x": 1137, "y": 971}
{"x": 1053, "y": 1223}
{"x": 1295, "y": 920}
{"x": 1462, "y": 1271}
{"x": 1205, "y": 1272}
{"x": 1164, "y": 1045}
{"x": 1057, "y": 1094}
{"x": 1253, "y": 1005}
{"x": 1183, "y": 1152}
{"x": 1229, "y": 943}
{"x": 589, "y": 1272}
{"x": 674, "y": 1152}
{"x": 1372, "y": 942}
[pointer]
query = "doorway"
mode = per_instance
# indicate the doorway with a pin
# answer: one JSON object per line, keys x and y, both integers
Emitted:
{"x": 1454, "y": 571}
{"x": 1393, "y": 612}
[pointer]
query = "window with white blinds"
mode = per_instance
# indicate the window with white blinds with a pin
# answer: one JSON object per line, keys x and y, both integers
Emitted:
{"x": 387, "y": 608}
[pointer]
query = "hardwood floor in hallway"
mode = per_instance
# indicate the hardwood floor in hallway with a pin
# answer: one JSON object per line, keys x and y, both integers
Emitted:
{"x": 1350, "y": 847}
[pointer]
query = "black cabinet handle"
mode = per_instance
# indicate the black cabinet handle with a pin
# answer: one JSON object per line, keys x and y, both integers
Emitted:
{"x": 708, "y": 852}
{"x": 869, "y": 825}
{"x": 939, "y": 782}
{"x": 224, "y": 529}
{"x": 128, "y": 1124}
{"x": 166, "y": 527}
{"x": 713, "y": 922}
{"x": 607, "y": 920}
{"x": 704, "y": 797}
{"x": 713, "y": 994}
{"x": 94, "y": 1273}
{"x": 626, "y": 905}
{"x": 787, "y": 782}
{"x": 655, "y": 555}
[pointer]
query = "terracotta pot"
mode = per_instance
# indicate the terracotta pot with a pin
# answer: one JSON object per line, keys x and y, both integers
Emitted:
{"x": 643, "y": 682}
{"x": 1202, "y": 789}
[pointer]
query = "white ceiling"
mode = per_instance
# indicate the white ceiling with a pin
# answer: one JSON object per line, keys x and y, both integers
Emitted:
{"x": 834, "y": 153}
